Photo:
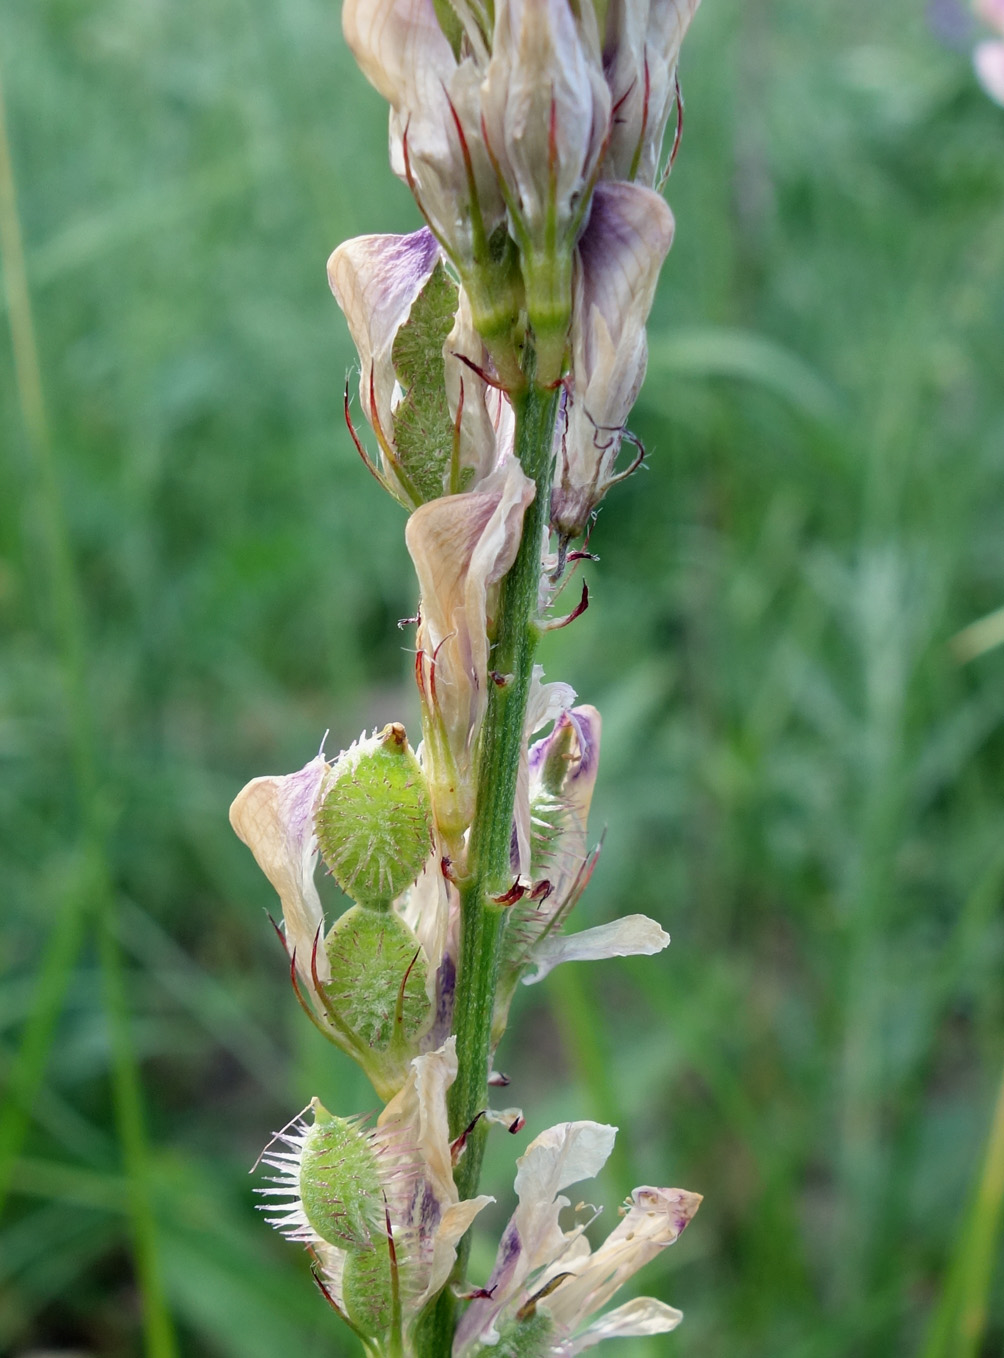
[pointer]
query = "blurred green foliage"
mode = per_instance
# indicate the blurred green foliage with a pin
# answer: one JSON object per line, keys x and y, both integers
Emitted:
{"x": 800, "y": 778}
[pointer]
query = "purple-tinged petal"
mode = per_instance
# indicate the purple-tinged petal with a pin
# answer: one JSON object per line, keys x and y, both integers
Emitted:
{"x": 375, "y": 280}
{"x": 274, "y": 816}
{"x": 556, "y": 1159}
{"x": 629, "y": 234}
{"x": 430, "y": 1214}
{"x": 640, "y": 51}
{"x": 655, "y": 1219}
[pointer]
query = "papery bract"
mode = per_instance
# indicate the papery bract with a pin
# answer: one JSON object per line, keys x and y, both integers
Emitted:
{"x": 641, "y": 48}
{"x": 630, "y": 231}
{"x": 274, "y": 816}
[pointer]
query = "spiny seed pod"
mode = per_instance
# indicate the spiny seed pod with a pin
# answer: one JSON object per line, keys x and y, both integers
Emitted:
{"x": 339, "y": 1182}
{"x": 528, "y": 1336}
{"x": 378, "y": 978}
{"x": 374, "y": 823}
{"x": 367, "y": 1288}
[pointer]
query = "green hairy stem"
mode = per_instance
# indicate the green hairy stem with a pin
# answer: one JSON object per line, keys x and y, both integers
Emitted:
{"x": 489, "y": 871}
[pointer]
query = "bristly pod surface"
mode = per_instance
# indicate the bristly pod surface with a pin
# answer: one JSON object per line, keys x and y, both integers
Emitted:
{"x": 374, "y": 820}
{"x": 343, "y": 1200}
{"x": 378, "y": 979}
{"x": 527, "y": 1336}
{"x": 339, "y": 1181}
{"x": 368, "y": 1289}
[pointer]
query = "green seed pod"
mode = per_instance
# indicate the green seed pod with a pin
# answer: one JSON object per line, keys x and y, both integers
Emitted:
{"x": 527, "y": 1337}
{"x": 374, "y": 822}
{"x": 340, "y": 1183}
{"x": 378, "y": 978}
{"x": 367, "y": 1288}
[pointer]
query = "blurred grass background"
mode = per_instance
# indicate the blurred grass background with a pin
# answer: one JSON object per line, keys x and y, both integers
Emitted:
{"x": 801, "y": 776}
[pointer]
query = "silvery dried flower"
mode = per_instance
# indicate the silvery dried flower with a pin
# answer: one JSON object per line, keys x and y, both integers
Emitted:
{"x": 619, "y": 256}
{"x": 548, "y": 1284}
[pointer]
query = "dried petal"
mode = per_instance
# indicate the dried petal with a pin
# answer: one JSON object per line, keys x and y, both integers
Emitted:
{"x": 640, "y": 1316}
{"x": 630, "y": 936}
{"x": 462, "y": 546}
{"x": 620, "y": 255}
{"x": 556, "y": 1159}
{"x": 274, "y": 816}
{"x": 641, "y": 49}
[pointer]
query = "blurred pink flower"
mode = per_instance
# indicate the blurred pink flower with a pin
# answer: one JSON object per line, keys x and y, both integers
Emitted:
{"x": 988, "y": 56}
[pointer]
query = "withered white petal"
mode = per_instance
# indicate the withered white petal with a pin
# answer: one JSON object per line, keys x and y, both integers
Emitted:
{"x": 432, "y": 1214}
{"x": 462, "y": 546}
{"x": 375, "y": 280}
{"x": 487, "y": 421}
{"x": 655, "y": 1219}
{"x": 546, "y": 702}
{"x": 640, "y": 1316}
{"x": 631, "y": 936}
{"x": 274, "y": 816}
{"x": 620, "y": 254}
{"x": 546, "y": 106}
{"x": 400, "y": 48}
{"x": 556, "y": 1159}
{"x": 641, "y": 50}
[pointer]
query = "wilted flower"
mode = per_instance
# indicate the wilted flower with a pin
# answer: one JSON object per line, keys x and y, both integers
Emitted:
{"x": 434, "y": 90}
{"x": 547, "y": 1283}
{"x": 274, "y": 816}
{"x": 988, "y": 57}
{"x": 640, "y": 52}
{"x": 562, "y": 774}
{"x": 462, "y": 546}
{"x": 378, "y": 1208}
{"x": 630, "y": 231}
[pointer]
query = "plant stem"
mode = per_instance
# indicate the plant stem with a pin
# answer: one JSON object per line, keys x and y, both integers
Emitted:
{"x": 489, "y": 870}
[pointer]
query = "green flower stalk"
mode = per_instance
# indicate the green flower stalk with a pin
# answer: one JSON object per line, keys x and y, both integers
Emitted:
{"x": 501, "y": 348}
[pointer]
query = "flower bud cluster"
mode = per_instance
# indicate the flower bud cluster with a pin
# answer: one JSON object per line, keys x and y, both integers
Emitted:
{"x": 531, "y": 134}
